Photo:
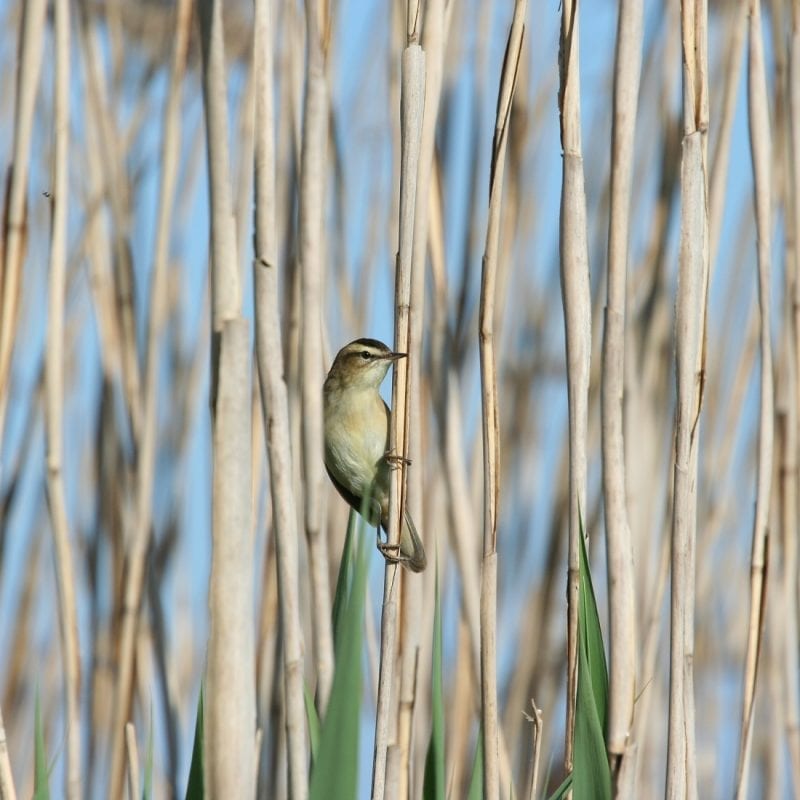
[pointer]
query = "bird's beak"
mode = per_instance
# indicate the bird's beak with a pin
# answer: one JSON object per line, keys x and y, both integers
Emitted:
{"x": 396, "y": 356}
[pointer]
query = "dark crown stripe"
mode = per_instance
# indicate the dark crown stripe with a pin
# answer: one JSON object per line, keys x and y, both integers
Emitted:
{"x": 370, "y": 343}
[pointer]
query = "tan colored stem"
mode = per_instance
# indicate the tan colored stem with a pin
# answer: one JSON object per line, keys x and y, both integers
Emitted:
{"x": 690, "y": 327}
{"x": 761, "y": 152}
{"x": 54, "y": 399}
{"x": 225, "y": 289}
{"x": 576, "y": 299}
{"x": 412, "y": 104}
{"x": 536, "y": 749}
{"x": 132, "y": 757}
{"x": 433, "y": 42}
{"x": 790, "y": 473}
{"x": 7, "y": 790}
{"x": 230, "y": 694}
{"x": 312, "y": 202}
{"x": 622, "y": 604}
{"x": 490, "y": 409}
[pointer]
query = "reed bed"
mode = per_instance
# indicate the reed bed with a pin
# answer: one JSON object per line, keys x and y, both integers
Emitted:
{"x": 580, "y": 222}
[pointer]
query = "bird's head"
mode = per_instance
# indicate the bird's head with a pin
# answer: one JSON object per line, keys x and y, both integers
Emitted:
{"x": 363, "y": 364}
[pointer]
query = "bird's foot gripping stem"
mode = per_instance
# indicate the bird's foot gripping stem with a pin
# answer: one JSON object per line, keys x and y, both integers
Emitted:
{"x": 391, "y": 552}
{"x": 395, "y": 461}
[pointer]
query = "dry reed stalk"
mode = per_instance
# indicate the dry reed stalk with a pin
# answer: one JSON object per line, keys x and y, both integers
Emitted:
{"x": 576, "y": 299}
{"x": 536, "y": 749}
{"x": 148, "y": 444}
{"x": 774, "y": 770}
{"x": 225, "y": 287}
{"x": 230, "y": 695}
{"x": 794, "y": 118}
{"x": 312, "y": 265}
{"x": 681, "y": 763}
{"x": 622, "y": 603}
{"x": 7, "y": 790}
{"x": 275, "y": 401}
{"x": 132, "y": 758}
{"x": 651, "y": 640}
{"x": 788, "y": 441}
{"x": 490, "y": 412}
{"x": 54, "y": 404}
{"x": 761, "y": 153}
{"x": 792, "y": 706}
{"x": 242, "y": 209}
{"x": 690, "y": 332}
{"x": 411, "y": 595}
{"x": 267, "y": 642}
{"x": 412, "y": 104}
{"x": 14, "y": 237}
{"x": 393, "y": 767}
{"x": 648, "y": 367}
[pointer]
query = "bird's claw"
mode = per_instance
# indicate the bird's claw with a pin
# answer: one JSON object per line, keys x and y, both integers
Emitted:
{"x": 394, "y": 460}
{"x": 391, "y": 552}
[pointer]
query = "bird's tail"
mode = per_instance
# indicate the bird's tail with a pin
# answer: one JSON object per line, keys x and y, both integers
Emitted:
{"x": 411, "y": 549}
{"x": 411, "y": 552}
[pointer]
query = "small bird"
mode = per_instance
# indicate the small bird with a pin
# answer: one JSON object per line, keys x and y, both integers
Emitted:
{"x": 357, "y": 440}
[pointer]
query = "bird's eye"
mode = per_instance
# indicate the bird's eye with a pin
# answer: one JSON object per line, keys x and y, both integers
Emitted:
{"x": 365, "y": 355}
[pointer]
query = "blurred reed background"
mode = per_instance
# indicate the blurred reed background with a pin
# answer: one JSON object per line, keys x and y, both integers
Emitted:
{"x": 141, "y": 371}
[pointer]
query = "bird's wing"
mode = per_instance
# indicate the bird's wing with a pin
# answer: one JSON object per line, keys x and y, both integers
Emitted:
{"x": 354, "y": 501}
{"x": 388, "y": 422}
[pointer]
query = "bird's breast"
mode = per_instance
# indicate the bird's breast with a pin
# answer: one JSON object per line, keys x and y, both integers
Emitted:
{"x": 356, "y": 430}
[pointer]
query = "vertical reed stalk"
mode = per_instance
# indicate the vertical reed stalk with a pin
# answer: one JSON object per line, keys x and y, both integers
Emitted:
{"x": 489, "y": 405}
{"x": 536, "y": 749}
{"x": 225, "y": 289}
{"x": 761, "y": 154}
{"x": 230, "y": 697}
{"x": 690, "y": 327}
{"x": 576, "y": 299}
{"x": 312, "y": 202}
{"x": 788, "y": 440}
{"x": 621, "y": 598}
{"x": 275, "y": 400}
{"x": 132, "y": 758}
{"x": 433, "y": 43}
{"x": 790, "y": 588}
{"x": 229, "y": 732}
{"x": 7, "y": 790}
{"x": 54, "y": 400}
{"x": 412, "y": 105}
